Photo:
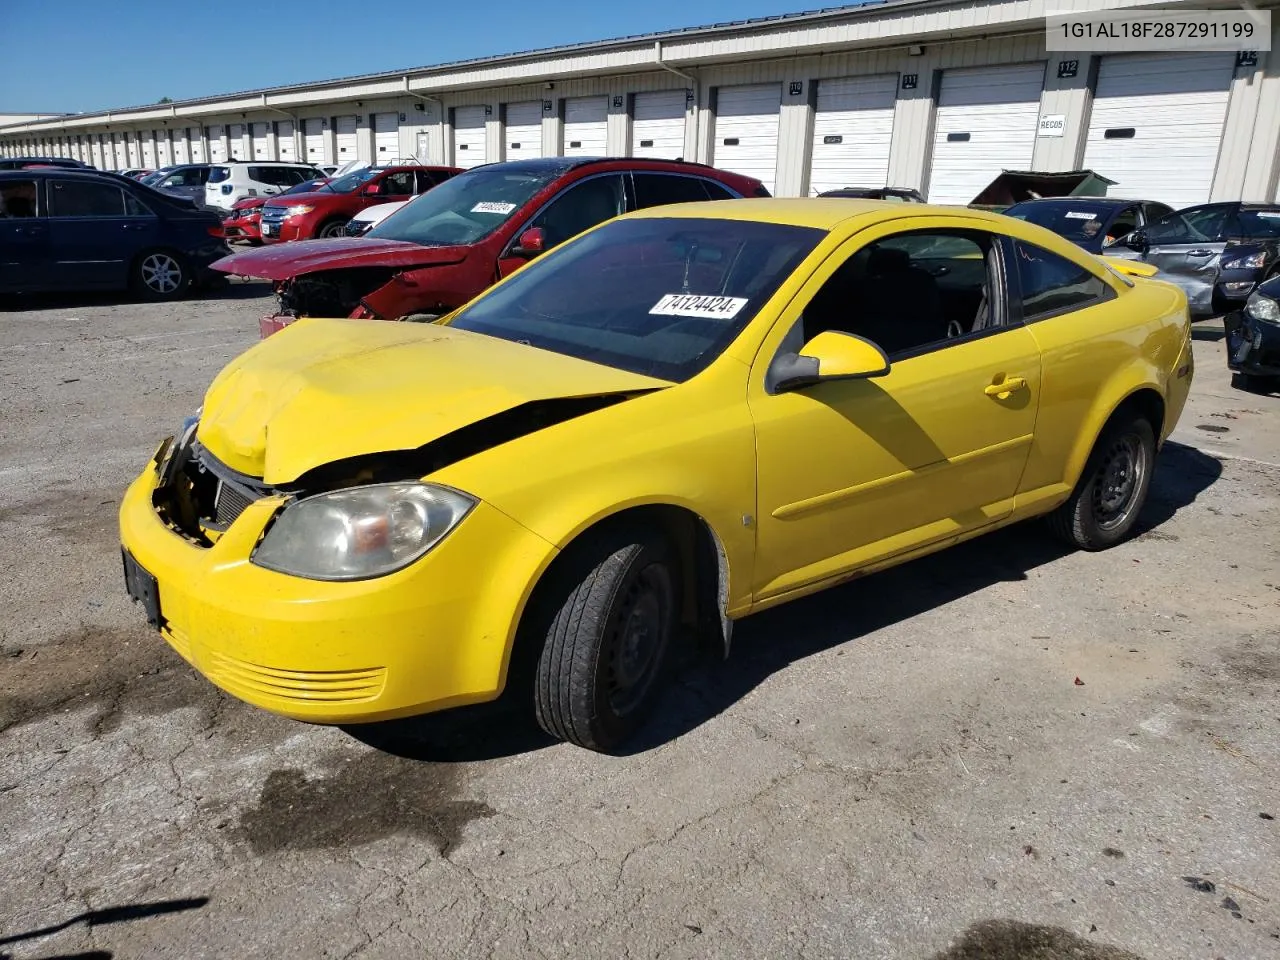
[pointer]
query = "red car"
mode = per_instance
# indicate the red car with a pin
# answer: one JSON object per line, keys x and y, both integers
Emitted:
{"x": 439, "y": 251}
{"x": 324, "y": 211}
{"x": 243, "y": 221}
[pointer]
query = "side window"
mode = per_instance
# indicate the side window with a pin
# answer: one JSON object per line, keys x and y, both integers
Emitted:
{"x": 1260, "y": 224}
{"x": 911, "y": 292}
{"x": 1051, "y": 284}
{"x": 85, "y": 198}
{"x": 426, "y": 179}
{"x": 398, "y": 184}
{"x": 18, "y": 198}
{"x": 657, "y": 189}
{"x": 581, "y": 207}
{"x": 716, "y": 191}
{"x": 1194, "y": 225}
{"x": 133, "y": 207}
{"x": 1124, "y": 224}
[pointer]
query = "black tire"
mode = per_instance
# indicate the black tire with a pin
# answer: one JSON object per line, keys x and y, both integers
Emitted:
{"x": 160, "y": 275}
{"x": 1107, "y": 499}
{"x": 1252, "y": 383}
{"x": 613, "y": 616}
{"x": 332, "y": 228}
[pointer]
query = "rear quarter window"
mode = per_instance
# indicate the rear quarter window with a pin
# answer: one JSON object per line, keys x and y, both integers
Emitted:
{"x": 218, "y": 174}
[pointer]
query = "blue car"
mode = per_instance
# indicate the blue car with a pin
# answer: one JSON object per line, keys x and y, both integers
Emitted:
{"x": 64, "y": 230}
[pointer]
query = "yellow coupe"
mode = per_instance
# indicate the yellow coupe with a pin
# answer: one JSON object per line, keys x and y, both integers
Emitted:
{"x": 682, "y": 417}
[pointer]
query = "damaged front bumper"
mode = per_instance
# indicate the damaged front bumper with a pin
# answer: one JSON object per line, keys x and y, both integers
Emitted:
{"x": 433, "y": 635}
{"x": 1253, "y": 345}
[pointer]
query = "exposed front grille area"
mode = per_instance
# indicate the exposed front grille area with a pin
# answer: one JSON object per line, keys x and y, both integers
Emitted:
{"x": 273, "y": 215}
{"x": 199, "y": 495}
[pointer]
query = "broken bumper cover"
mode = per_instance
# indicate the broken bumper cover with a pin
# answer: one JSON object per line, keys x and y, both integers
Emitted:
{"x": 1253, "y": 345}
{"x": 273, "y": 323}
{"x": 428, "y": 637}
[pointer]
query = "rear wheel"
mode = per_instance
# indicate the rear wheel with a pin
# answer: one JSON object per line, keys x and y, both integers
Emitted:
{"x": 1112, "y": 489}
{"x": 160, "y": 275}
{"x": 331, "y": 228}
{"x": 613, "y": 617}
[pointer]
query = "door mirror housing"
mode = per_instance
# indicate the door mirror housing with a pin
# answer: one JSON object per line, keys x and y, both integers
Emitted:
{"x": 531, "y": 243}
{"x": 830, "y": 355}
{"x": 1136, "y": 240}
{"x": 373, "y": 189}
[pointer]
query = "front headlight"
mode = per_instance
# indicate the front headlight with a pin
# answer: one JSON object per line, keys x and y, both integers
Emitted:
{"x": 298, "y": 209}
{"x": 361, "y": 532}
{"x": 1263, "y": 308}
{"x": 1254, "y": 261}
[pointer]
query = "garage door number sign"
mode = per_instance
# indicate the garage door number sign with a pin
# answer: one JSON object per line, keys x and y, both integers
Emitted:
{"x": 1052, "y": 125}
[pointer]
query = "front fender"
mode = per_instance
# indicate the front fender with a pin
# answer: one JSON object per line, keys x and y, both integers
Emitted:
{"x": 430, "y": 289}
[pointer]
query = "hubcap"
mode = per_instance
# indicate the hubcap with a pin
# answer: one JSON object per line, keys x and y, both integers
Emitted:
{"x": 638, "y": 640}
{"x": 161, "y": 273}
{"x": 1120, "y": 478}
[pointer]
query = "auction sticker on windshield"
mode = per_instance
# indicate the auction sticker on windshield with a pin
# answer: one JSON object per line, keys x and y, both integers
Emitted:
{"x": 491, "y": 206}
{"x": 1080, "y": 215}
{"x": 696, "y": 305}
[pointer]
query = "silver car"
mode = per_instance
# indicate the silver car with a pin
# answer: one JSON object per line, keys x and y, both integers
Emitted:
{"x": 187, "y": 180}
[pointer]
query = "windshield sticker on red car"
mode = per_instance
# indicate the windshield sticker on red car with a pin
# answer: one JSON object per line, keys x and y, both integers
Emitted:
{"x": 1080, "y": 215}
{"x": 492, "y": 206}
{"x": 696, "y": 305}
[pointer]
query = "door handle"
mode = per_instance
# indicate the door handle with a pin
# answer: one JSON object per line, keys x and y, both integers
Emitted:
{"x": 1005, "y": 387}
{"x": 133, "y": 226}
{"x": 1199, "y": 253}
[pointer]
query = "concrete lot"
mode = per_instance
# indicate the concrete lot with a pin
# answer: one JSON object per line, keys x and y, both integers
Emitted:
{"x": 903, "y": 767}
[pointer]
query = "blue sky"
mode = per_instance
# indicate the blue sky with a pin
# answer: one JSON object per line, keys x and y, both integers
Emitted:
{"x": 101, "y": 54}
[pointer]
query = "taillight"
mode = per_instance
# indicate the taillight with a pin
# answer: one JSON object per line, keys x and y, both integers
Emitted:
{"x": 216, "y": 232}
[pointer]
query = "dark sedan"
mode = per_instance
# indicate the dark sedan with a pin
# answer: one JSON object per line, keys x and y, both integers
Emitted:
{"x": 79, "y": 230}
{"x": 23, "y": 163}
{"x": 1217, "y": 252}
{"x": 1253, "y": 339}
{"x": 1094, "y": 223}
{"x": 893, "y": 194}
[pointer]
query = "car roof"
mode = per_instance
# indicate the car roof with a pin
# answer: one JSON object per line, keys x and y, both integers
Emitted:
{"x": 1112, "y": 201}
{"x": 823, "y": 213}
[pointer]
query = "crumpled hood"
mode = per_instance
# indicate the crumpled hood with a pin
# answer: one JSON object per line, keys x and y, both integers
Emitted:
{"x": 324, "y": 390}
{"x": 283, "y": 261}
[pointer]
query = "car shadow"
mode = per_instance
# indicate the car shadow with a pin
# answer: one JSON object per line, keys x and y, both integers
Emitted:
{"x": 707, "y": 686}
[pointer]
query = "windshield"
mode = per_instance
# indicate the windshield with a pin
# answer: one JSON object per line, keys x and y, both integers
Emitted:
{"x": 351, "y": 181}
{"x": 1078, "y": 222}
{"x": 660, "y": 297}
{"x": 464, "y": 208}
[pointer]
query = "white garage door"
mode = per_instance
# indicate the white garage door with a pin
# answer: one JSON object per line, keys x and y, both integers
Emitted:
{"x": 386, "y": 137}
{"x": 346, "y": 138}
{"x": 164, "y": 149}
{"x": 217, "y": 145}
{"x": 746, "y": 138}
{"x": 195, "y": 148}
{"x": 99, "y": 155}
{"x": 468, "y": 136}
{"x": 285, "y": 149}
{"x": 181, "y": 152}
{"x": 524, "y": 130}
{"x": 149, "y": 150}
{"x": 657, "y": 128}
{"x": 851, "y": 132}
{"x": 1156, "y": 124}
{"x": 261, "y": 141}
{"x": 586, "y": 126}
{"x": 986, "y": 123}
{"x": 236, "y": 135}
{"x": 313, "y": 140}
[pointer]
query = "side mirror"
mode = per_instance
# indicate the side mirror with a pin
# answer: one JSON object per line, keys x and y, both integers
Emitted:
{"x": 373, "y": 189}
{"x": 1136, "y": 240}
{"x": 830, "y": 355}
{"x": 531, "y": 243}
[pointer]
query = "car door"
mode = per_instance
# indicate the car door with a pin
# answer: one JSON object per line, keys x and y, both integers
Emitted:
{"x": 96, "y": 230}
{"x": 1186, "y": 246}
{"x": 25, "y": 262}
{"x": 851, "y": 472}
{"x": 578, "y": 207}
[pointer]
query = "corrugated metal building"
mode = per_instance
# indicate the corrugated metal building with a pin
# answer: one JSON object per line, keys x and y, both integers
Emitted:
{"x": 939, "y": 96}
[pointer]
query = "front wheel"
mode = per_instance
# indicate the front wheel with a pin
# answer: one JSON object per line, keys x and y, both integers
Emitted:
{"x": 160, "y": 275}
{"x": 331, "y": 229}
{"x": 606, "y": 648}
{"x": 1106, "y": 501}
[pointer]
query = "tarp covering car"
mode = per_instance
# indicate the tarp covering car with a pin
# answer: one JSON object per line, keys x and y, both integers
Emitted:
{"x": 1014, "y": 186}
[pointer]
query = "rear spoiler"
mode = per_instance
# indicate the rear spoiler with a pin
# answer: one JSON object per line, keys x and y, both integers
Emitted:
{"x": 1131, "y": 268}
